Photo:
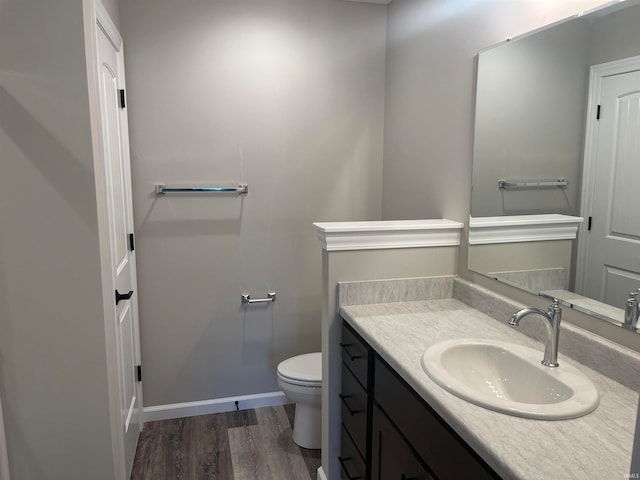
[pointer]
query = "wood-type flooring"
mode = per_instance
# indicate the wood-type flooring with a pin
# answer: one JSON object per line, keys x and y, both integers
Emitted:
{"x": 254, "y": 444}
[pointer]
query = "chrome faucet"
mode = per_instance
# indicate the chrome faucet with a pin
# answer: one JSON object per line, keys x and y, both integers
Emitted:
{"x": 631, "y": 313}
{"x": 552, "y": 319}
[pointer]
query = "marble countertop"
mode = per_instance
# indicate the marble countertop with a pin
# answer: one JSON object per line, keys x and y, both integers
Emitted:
{"x": 595, "y": 446}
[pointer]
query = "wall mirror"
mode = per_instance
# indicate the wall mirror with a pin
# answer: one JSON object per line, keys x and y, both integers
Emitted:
{"x": 555, "y": 201}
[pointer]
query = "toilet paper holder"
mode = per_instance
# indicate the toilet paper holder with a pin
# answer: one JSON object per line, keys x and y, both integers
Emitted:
{"x": 246, "y": 298}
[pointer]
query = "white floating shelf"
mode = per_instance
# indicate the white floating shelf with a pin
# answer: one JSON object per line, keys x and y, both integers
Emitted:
{"x": 388, "y": 234}
{"x": 522, "y": 228}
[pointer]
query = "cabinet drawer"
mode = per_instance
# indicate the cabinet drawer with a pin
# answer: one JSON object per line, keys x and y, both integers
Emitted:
{"x": 354, "y": 410}
{"x": 355, "y": 354}
{"x": 352, "y": 466}
{"x": 442, "y": 450}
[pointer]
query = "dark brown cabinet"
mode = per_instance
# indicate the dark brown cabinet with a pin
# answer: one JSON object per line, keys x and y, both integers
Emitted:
{"x": 354, "y": 410}
{"x": 355, "y": 401}
{"x": 392, "y": 457}
{"x": 355, "y": 355}
{"x": 389, "y": 432}
{"x": 352, "y": 464}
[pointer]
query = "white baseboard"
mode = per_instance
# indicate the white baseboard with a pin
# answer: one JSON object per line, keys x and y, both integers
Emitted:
{"x": 217, "y": 405}
{"x": 321, "y": 475}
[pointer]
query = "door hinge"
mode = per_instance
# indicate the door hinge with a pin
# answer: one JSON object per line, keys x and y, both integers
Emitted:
{"x": 589, "y": 224}
{"x": 598, "y": 113}
{"x": 139, "y": 373}
{"x": 122, "y": 102}
{"x": 132, "y": 245}
{"x": 123, "y": 296}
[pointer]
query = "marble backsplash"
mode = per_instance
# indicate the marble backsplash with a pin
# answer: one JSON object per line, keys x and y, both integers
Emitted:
{"x": 395, "y": 290}
{"x": 534, "y": 280}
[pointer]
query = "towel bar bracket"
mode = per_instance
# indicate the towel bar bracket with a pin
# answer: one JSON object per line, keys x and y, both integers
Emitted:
{"x": 246, "y": 298}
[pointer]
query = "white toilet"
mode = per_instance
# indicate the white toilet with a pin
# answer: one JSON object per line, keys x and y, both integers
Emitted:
{"x": 300, "y": 378}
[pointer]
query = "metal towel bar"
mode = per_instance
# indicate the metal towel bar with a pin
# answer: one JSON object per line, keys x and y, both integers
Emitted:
{"x": 504, "y": 184}
{"x": 271, "y": 297}
{"x": 241, "y": 189}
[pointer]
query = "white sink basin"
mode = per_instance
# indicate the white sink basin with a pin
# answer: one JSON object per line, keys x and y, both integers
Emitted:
{"x": 510, "y": 379}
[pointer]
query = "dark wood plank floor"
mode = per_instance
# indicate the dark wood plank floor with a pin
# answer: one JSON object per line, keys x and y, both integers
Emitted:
{"x": 243, "y": 445}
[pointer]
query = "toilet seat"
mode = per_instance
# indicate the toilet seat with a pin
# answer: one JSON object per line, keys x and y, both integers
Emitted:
{"x": 304, "y": 370}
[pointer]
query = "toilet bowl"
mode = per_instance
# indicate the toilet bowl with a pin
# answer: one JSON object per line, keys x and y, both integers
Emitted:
{"x": 300, "y": 378}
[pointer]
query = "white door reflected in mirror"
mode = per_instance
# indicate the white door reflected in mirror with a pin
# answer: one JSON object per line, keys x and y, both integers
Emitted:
{"x": 609, "y": 256}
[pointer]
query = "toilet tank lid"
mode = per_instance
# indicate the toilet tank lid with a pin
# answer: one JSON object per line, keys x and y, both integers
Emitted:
{"x": 307, "y": 367}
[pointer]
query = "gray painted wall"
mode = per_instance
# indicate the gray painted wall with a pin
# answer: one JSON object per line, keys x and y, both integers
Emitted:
{"x": 530, "y": 111}
{"x": 286, "y": 96}
{"x": 523, "y": 256}
{"x": 616, "y": 36}
{"x": 52, "y": 346}
{"x": 529, "y": 121}
{"x": 431, "y": 57}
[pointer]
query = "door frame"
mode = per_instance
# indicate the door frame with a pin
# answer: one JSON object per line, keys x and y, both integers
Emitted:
{"x": 596, "y": 74}
{"x": 96, "y": 17}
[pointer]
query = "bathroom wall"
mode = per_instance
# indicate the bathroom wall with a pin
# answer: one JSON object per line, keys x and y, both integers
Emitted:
{"x": 52, "y": 342}
{"x": 536, "y": 266}
{"x": 429, "y": 108}
{"x": 286, "y": 96}
{"x": 530, "y": 81}
{"x": 616, "y": 36}
{"x": 547, "y": 73}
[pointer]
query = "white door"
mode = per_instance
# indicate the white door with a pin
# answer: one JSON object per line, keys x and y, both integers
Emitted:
{"x": 612, "y": 263}
{"x": 115, "y": 152}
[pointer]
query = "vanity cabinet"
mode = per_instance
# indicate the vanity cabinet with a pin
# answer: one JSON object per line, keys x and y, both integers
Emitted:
{"x": 389, "y": 432}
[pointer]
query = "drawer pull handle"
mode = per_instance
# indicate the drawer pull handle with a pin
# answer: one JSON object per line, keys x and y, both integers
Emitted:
{"x": 344, "y": 400}
{"x": 345, "y": 347}
{"x": 344, "y": 467}
{"x": 404, "y": 477}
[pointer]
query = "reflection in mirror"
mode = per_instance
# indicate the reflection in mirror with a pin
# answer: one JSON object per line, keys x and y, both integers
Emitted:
{"x": 556, "y": 162}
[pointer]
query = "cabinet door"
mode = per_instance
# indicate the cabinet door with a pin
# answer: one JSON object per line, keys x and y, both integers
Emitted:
{"x": 434, "y": 441}
{"x": 392, "y": 458}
